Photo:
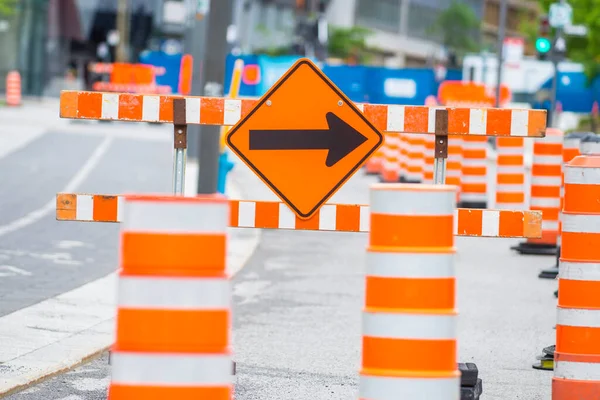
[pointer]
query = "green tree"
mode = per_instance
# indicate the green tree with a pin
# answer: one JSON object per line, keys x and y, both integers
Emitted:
{"x": 585, "y": 50}
{"x": 347, "y": 43}
{"x": 7, "y": 7}
{"x": 457, "y": 28}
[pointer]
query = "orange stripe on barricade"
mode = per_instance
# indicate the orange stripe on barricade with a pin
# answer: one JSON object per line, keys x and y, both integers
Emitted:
{"x": 389, "y": 118}
{"x": 577, "y": 355}
{"x": 173, "y": 307}
{"x": 409, "y": 317}
{"x": 331, "y": 217}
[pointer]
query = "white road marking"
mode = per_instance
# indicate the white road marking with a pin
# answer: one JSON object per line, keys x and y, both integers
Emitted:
{"x": 9, "y": 270}
{"x": 50, "y": 207}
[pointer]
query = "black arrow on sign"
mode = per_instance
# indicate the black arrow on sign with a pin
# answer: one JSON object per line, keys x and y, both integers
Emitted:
{"x": 340, "y": 139}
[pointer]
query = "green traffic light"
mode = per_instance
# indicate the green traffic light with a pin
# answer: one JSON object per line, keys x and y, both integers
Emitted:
{"x": 543, "y": 45}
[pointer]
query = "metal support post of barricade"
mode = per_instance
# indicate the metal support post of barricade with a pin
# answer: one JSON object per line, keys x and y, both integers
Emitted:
{"x": 441, "y": 147}
{"x": 179, "y": 145}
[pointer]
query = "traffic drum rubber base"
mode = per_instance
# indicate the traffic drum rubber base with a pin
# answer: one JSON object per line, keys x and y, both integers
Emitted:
{"x": 471, "y": 386}
{"x": 550, "y": 273}
{"x": 546, "y": 360}
{"x": 472, "y": 204}
{"x": 535, "y": 249}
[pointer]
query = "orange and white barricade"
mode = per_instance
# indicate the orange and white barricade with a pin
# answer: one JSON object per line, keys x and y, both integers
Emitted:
{"x": 577, "y": 355}
{"x": 174, "y": 301}
{"x": 546, "y": 181}
{"x": 510, "y": 173}
{"x": 409, "y": 337}
{"x": 571, "y": 149}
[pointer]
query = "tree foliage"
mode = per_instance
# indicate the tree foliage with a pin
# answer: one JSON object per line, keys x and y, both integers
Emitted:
{"x": 585, "y": 50}
{"x": 349, "y": 43}
{"x": 7, "y": 7}
{"x": 457, "y": 28}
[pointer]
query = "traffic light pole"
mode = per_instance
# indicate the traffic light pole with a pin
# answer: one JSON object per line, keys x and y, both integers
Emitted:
{"x": 553, "y": 94}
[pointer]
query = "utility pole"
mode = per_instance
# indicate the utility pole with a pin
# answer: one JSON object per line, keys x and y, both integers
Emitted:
{"x": 213, "y": 75}
{"x": 500, "y": 50}
{"x": 194, "y": 44}
{"x": 123, "y": 29}
{"x": 560, "y": 17}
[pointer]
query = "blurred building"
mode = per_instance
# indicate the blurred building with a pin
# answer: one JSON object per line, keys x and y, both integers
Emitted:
{"x": 517, "y": 10}
{"x": 400, "y": 27}
{"x": 51, "y": 42}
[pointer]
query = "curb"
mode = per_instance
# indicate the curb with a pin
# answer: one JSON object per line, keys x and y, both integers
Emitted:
{"x": 77, "y": 347}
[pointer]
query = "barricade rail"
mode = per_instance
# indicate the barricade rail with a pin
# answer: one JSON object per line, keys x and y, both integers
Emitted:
{"x": 223, "y": 111}
{"x": 330, "y": 217}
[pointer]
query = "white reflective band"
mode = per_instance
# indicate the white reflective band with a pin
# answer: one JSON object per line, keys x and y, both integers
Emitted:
{"x": 510, "y": 206}
{"x": 287, "y": 218}
{"x": 151, "y": 108}
{"x": 477, "y": 121}
{"x": 580, "y": 223}
{"x": 365, "y": 219}
{"x": 510, "y": 188}
{"x": 412, "y": 202}
{"x": 175, "y": 217}
{"x": 246, "y": 214}
{"x": 510, "y": 151}
{"x": 578, "y": 317}
{"x": 110, "y": 105}
{"x": 174, "y": 293}
{"x": 410, "y": 265}
{"x": 171, "y": 369}
{"x": 232, "y": 111}
{"x": 192, "y": 110}
{"x": 580, "y": 371}
{"x": 327, "y": 217}
{"x": 551, "y": 181}
{"x": 395, "y": 118}
{"x": 545, "y": 202}
{"x": 582, "y": 176}
{"x": 409, "y": 326}
{"x": 519, "y": 125}
{"x": 474, "y": 178}
{"x": 394, "y": 388}
{"x": 85, "y": 207}
{"x": 475, "y": 146}
{"x": 120, "y": 208}
{"x": 549, "y": 225}
{"x": 579, "y": 271}
{"x": 547, "y": 160}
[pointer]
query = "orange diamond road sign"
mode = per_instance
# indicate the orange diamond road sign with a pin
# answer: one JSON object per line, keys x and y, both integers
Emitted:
{"x": 304, "y": 138}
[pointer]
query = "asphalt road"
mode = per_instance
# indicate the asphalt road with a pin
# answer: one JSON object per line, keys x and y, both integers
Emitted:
{"x": 297, "y": 315}
{"x": 40, "y": 257}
